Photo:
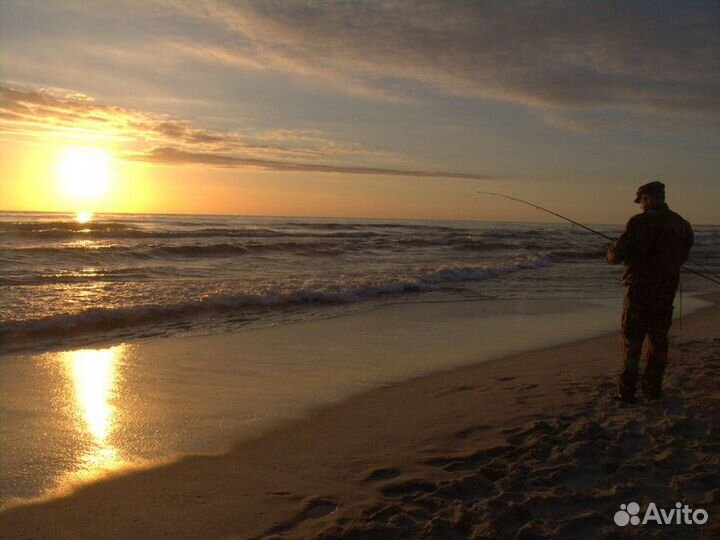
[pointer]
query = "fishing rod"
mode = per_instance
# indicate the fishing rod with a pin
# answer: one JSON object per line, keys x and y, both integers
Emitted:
{"x": 538, "y": 207}
{"x": 549, "y": 212}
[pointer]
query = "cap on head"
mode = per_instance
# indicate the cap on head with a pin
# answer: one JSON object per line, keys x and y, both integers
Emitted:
{"x": 653, "y": 189}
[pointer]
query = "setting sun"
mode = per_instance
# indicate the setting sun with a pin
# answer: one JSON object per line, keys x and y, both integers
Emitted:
{"x": 84, "y": 173}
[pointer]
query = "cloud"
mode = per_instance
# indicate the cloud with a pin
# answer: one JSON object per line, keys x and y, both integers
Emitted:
{"x": 174, "y": 156}
{"x": 651, "y": 58}
{"x": 30, "y": 113}
{"x": 567, "y": 60}
{"x": 43, "y": 113}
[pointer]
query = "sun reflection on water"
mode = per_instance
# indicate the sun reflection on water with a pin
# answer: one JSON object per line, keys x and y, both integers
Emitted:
{"x": 93, "y": 374}
{"x": 84, "y": 217}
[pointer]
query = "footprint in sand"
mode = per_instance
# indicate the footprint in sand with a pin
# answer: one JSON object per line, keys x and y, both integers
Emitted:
{"x": 319, "y": 509}
{"x": 469, "y": 432}
{"x": 408, "y": 487}
{"x": 471, "y": 461}
{"x": 314, "y": 509}
{"x": 456, "y": 389}
{"x": 385, "y": 473}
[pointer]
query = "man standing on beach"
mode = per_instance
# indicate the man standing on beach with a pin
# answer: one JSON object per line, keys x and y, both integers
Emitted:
{"x": 653, "y": 247}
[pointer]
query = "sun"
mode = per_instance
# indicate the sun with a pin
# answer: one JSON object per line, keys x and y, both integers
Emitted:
{"x": 84, "y": 173}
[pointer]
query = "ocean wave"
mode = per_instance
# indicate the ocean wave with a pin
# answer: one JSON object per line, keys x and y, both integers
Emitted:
{"x": 372, "y": 225}
{"x": 572, "y": 255}
{"x": 100, "y": 252}
{"x": 76, "y": 231}
{"x": 453, "y": 272}
{"x": 84, "y": 275}
{"x": 232, "y": 250}
{"x": 71, "y": 229}
{"x": 31, "y": 227}
{"x": 96, "y": 230}
{"x": 106, "y": 320}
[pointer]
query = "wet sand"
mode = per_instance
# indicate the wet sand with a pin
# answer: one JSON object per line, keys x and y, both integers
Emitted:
{"x": 72, "y": 415}
{"x": 529, "y": 446}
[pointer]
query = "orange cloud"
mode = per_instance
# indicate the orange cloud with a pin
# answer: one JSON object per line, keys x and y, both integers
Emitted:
{"x": 157, "y": 139}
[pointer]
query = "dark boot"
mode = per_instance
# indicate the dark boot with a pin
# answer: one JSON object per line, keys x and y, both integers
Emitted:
{"x": 628, "y": 379}
{"x": 653, "y": 375}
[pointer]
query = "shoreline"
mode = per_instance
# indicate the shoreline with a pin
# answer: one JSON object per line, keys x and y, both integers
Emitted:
{"x": 137, "y": 403}
{"x": 373, "y": 450}
{"x": 110, "y": 341}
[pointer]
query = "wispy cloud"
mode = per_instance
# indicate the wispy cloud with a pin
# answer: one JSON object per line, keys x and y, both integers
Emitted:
{"x": 158, "y": 139}
{"x": 32, "y": 113}
{"x": 567, "y": 60}
{"x": 175, "y": 156}
{"x": 42, "y": 112}
{"x": 645, "y": 57}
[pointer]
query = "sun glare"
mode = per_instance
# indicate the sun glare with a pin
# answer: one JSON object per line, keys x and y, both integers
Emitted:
{"x": 84, "y": 217}
{"x": 95, "y": 379}
{"x": 84, "y": 173}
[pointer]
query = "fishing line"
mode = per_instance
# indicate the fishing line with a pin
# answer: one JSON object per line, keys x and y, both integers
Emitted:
{"x": 538, "y": 207}
{"x": 706, "y": 270}
{"x": 680, "y": 298}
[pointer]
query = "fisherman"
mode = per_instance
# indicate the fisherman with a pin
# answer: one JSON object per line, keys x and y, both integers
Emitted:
{"x": 653, "y": 247}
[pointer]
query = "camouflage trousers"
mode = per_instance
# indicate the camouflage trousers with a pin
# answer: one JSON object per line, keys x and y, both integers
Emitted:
{"x": 647, "y": 313}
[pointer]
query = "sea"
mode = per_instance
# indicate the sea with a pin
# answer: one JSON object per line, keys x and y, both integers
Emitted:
{"x": 74, "y": 280}
{"x": 282, "y": 315}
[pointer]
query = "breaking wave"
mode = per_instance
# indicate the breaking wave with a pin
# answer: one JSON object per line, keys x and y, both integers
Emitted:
{"x": 107, "y": 320}
{"x": 329, "y": 246}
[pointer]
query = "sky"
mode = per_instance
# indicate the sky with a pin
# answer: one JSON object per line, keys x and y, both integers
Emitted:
{"x": 380, "y": 109}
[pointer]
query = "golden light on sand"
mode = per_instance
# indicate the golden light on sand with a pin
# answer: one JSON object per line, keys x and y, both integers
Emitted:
{"x": 84, "y": 173}
{"x": 94, "y": 377}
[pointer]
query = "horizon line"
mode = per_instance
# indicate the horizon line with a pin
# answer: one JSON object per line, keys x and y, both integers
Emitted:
{"x": 270, "y": 216}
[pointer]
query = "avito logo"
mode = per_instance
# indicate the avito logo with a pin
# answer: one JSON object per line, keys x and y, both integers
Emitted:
{"x": 682, "y": 514}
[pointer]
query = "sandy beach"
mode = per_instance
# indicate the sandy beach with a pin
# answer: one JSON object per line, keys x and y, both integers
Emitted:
{"x": 529, "y": 446}
{"x": 336, "y": 270}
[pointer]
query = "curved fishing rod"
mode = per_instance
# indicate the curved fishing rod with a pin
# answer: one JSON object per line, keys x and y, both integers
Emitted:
{"x": 538, "y": 207}
{"x": 549, "y": 212}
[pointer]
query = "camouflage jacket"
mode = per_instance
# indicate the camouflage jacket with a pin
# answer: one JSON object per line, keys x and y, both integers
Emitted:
{"x": 653, "y": 247}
